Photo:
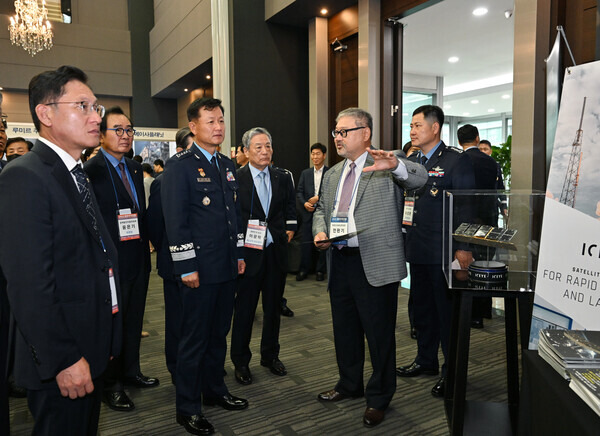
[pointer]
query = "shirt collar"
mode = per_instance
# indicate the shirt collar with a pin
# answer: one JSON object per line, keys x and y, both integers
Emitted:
{"x": 67, "y": 159}
{"x": 113, "y": 160}
{"x": 432, "y": 151}
{"x": 206, "y": 154}
{"x": 255, "y": 171}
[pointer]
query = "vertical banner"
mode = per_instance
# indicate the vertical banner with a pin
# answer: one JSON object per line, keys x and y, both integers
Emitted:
{"x": 553, "y": 70}
{"x": 567, "y": 293}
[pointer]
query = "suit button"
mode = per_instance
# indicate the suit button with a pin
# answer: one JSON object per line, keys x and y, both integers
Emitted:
{"x": 227, "y": 207}
{"x": 107, "y": 300}
{"x": 229, "y": 222}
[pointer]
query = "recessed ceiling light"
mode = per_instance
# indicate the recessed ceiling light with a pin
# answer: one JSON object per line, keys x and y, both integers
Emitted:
{"x": 208, "y": 77}
{"x": 1, "y": 88}
{"x": 491, "y": 110}
{"x": 447, "y": 106}
{"x": 474, "y": 101}
{"x": 480, "y": 11}
{"x": 453, "y": 59}
{"x": 324, "y": 11}
{"x": 466, "y": 114}
{"x": 506, "y": 96}
{"x": 185, "y": 90}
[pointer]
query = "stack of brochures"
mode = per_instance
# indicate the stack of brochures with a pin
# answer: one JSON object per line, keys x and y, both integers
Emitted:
{"x": 570, "y": 349}
{"x": 585, "y": 382}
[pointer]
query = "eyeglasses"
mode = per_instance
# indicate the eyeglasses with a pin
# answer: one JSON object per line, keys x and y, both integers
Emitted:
{"x": 120, "y": 130}
{"x": 83, "y": 106}
{"x": 344, "y": 132}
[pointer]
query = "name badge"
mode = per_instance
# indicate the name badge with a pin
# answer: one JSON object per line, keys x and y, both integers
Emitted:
{"x": 338, "y": 227}
{"x": 256, "y": 234}
{"x": 129, "y": 226}
{"x": 409, "y": 209}
{"x": 113, "y": 291}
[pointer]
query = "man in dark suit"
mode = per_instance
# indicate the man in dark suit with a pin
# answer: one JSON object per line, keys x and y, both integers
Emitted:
{"x": 200, "y": 206}
{"x": 309, "y": 188}
{"x": 62, "y": 271}
{"x": 363, "y": 195}
{"x": 119, "y": 187}
{"x": 3, "y": 139}
{"x": 448, "y": 169}
{"x": 269, "y": 221}
{"x": 486, "y": 210}
{"x": 486, "y": 147}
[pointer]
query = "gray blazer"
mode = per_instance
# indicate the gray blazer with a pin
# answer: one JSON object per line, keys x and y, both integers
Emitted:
{"x": 377, "y": 213}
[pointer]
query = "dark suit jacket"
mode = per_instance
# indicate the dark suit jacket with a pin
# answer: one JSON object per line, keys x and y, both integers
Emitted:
{"x": 135, "y": 253}
{"x": 486, "y": 177}
{"x": 306, "y": 190}
{"x": 282, "y": 215}
{"x": 56, "y": 268}
{"x": 157, "y": 231}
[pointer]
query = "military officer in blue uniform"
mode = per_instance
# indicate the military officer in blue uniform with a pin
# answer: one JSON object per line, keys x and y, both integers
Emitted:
{"x": 448, "y": 169}
{"x": 199, "y": 195}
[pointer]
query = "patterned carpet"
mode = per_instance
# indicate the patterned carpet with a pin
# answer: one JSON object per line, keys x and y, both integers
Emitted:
{"x": 287, "y": 405}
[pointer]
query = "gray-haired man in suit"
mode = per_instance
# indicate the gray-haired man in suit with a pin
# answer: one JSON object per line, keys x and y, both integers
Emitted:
{"x": 364, "y": 194}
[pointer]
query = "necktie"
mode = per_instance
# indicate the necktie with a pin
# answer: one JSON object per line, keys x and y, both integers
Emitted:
{"x": 423, "y": 160}
{"x": 263, "y": 193}
{"x": 347, "y": 189}
{"x": 126, "y": 183}
{"x": 83, "y": 187}
{"x": 213, "y": 163}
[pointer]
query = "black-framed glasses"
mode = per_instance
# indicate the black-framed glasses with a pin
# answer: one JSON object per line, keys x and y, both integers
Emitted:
{"x": 120, "y": 130}
{"x": 344, "y": 132}
{"x": 83, "y": 106}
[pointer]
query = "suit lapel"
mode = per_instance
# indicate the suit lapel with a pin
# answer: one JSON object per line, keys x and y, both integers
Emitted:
{"x": 363, "y": 181}
{"x": 253, "y": 193}
{"x": 274, "y": 189}
{"x": 436, "y": 157}
{"x": 139, "y": 187}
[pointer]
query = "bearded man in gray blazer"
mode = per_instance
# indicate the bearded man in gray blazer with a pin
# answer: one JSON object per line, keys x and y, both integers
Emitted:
{"x": 363, "y": 196}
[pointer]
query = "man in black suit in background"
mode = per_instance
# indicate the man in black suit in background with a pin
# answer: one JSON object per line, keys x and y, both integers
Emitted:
{"x": 308, "y": 192}
{"x": 61, "y": 272}
{"x": 486, "y": 211}
{"x": 119, "y": 187}
{"x": 268, "y": 221}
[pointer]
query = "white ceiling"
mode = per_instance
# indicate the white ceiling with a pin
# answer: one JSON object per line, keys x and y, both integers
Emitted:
{"x": 484, "y": 46}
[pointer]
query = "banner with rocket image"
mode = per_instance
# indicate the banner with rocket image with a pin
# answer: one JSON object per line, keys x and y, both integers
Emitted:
{"x": 567, "y": 293}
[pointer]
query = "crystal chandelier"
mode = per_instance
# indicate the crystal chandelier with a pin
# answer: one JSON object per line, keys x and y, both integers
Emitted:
{"x": 30, "y": 27}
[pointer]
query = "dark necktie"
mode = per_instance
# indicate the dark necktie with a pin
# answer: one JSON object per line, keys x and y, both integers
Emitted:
{"x": 347, "y": 188}
{"x": 213, "y": 163}
{"x": 83, "y": 186}
{"x": 126, "y": 183}
{"x": 423, "y": 160}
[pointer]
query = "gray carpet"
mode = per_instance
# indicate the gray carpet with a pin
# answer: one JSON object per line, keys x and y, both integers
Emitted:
{"x": 287, "y": 405}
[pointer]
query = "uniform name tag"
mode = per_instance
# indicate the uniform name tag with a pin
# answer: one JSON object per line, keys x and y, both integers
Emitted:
{"x": 129, "y": 226}
{"x": 338, "y": 227}
{"x": 256, "y": 234}
{"x": 113, "y": 291}
{"x": 409, "y": 208}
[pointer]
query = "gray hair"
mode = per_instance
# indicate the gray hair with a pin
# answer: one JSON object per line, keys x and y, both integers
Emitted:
{"x": 252, "y": 133}
{"x": 362, "y": 117}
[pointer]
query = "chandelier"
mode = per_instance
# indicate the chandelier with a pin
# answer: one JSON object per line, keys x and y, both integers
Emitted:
{"x": 30, "y": 27}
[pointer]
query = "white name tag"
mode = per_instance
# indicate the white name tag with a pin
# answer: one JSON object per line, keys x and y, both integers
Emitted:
{"x": 256, "y": 234}
{"x": 338, "y": 227}
{"x": 129, "y": 226}
{"x": 409, "y": 209}
{"x": 113, "y": 291}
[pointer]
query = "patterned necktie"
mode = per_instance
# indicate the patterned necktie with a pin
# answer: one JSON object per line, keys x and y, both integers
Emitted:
{"x": 126, "y": 183}
{"x": 83, "y": 186}
{"x": 346, "y": 197}
{"x": 263, "y": 193}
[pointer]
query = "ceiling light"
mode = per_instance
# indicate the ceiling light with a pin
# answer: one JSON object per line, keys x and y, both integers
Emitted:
{"x": 185, "y": 90}
{"x": 208, "y": 77}
{"x": 479, "y": 84}
{"x": 453, "y": 59}
{"x": 480, "y": 11}
{"x": 404, "y": 114}
{"x": 508, "y": 13}
{"x": 474, "y": 101}
{"x": 30, "y": 27}
{"x": 1, "y": 88}
{"x": 466, "y": 114}
{"x": 491, "y": 110}
{"x": 447, "y": 106}
{"x": 506, "y": 96}
{"x": 324, "y": 11}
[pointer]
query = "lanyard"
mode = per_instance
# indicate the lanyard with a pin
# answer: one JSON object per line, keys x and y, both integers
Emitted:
{"x": 254, "y": 189}
{"x": 335, "y": 199}
{"x": 108, "y": 165}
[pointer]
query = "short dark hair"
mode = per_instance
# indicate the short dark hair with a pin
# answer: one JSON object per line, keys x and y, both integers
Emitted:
{"x": 18, "y": 139}
{"x": 147, "y": 168}
{"x": 242, "y": 147}
{"x": 406, "y": 147}
{"x": 432, "y": 113}
{"x": 467, "y": 134}
{"x": 49, "y": 86}
{"x": 138, "y": 158}
{"x": 159, "y": 162}
{"x": 485, "y": 141}
{"x": 115, "y": 110}
{"x": 318, "y": 146}
{"x": 181, "y": 137}
{"x": 193, "y": 110}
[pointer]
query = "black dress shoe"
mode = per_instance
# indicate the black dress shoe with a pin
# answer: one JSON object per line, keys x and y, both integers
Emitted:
{"x": 414, "y": 369}
{"x": 301, "y": 276}
{"x": 320, "y": 276}
{"x": 141, "y": 381}
{"x": 373, "y": 417}
{"x": 477, "y": 323}
{"x": 118, "y": 401}
{"x": 331, "y": 395}
{"x": 195, "y": 424}
{"x": 243, "y": 375}
{"x": 275, "y": 366}
{"x": 413, "y": 333}
{"x": 286, "y": 311}
{"x": 439, "y": 388}
{"x": 227, "y": 402}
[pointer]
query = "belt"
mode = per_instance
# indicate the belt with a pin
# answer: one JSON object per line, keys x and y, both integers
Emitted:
{"x": 349, "y": 251}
